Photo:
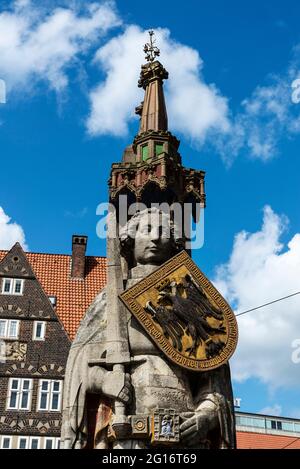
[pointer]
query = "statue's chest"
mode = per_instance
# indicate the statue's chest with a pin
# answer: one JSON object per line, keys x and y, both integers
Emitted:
{"x": 139, "y": 341}
{"x": 156, "y": 381}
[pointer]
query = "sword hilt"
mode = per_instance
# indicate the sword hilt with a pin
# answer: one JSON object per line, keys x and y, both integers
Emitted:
{"x": 120, "y": 423}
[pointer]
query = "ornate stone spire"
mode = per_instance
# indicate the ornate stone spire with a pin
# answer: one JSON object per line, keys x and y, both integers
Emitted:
{"x": 153, "y": 110}
{"x": 151, "y": 170}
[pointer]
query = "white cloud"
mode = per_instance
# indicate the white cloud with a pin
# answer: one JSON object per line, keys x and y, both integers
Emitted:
{"x": 10, "y": 233}
{"x": 194, "y": 108}
{"x": 265, "y": 118}
{"x": 275, "y": 409}
{"x": 261, "y": 269}
{"x": 113, "y": 101}
{"x": 40, "y": 44}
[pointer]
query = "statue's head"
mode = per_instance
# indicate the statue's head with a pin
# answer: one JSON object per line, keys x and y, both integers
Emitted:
{"x": 148, "y": 238}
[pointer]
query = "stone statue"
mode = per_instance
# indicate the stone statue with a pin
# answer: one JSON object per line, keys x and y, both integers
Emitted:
{"x": 203, "y": 400}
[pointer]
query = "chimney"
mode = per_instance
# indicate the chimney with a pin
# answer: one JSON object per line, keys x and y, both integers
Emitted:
{"x": 78, "y": 256}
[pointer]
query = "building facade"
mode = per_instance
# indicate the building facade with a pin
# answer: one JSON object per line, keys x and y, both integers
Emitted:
{"x": 257, "y": 431}
{"x": 42, "y": 300}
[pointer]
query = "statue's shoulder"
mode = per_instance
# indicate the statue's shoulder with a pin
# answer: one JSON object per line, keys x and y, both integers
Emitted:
{"x": 93, "y": 323}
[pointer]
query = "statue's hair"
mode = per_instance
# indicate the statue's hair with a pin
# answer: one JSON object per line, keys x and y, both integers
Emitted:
{"x": 128, "y": 232}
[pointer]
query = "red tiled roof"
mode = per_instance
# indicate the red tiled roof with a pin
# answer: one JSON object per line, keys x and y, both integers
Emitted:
{"x": 73, "y": 296}
{"x": 249, "y": 440}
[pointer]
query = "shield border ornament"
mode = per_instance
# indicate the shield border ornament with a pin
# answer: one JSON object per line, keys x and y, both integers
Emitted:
{"x": 129, "y": 298}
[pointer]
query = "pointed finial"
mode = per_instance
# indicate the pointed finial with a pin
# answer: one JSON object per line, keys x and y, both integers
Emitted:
{"x": 150, "y": 49}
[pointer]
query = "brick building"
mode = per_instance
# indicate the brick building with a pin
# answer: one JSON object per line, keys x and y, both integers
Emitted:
{"x": 42, "y": 300}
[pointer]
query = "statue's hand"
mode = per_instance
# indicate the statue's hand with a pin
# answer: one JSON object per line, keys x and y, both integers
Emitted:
{"x": 117, "y": 385}
{"x": 196, "y": 425}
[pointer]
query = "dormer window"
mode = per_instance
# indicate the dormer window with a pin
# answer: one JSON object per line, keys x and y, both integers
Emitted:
{"x": 12, "y": 286}
{"x": 52, "y": 300}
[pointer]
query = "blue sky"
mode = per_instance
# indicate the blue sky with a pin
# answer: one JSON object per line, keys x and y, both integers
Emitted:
{"x": 62, "y": 127}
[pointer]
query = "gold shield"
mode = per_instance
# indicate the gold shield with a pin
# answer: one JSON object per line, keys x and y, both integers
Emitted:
{"x": 184, "y": 314}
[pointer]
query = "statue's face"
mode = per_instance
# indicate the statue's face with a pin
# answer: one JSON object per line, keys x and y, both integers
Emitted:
{"x": 153, "y": 244}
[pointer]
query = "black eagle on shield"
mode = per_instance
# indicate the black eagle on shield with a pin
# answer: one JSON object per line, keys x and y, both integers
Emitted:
{"x": 184, "y": 308}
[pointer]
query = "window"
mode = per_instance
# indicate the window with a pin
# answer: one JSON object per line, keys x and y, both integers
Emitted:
{"x": 18, "y": 287}
{"x": 145, "y": 152}
{"x": 260, "y": 423}
{"x": 3, "y": 327}
{"x": 12, "y": 286}
{"x": 44, "y": 395}
{"x": 6, "y": 442}
{"x": 279, "y": 425}
{"x": 23, "y": 442}
{"x": 52, "y": 443}
{"x": 159, "y": 148}
{"x": 297, "y": 427}
{"x": 7, "y": 284}
{"x": 34, "y": 443}
{"x": 49, "y": 443}
{"x": 39, "y": 330}
{"x": 13, "y": 327}
{"x": 55, "y": 398}
{"x": 288, "y": 426}
{"x": 49, "y": 395}
{"x": 9, "y": 328}
{"x": 250, "y": 421}
{"x": 245, "y": 421}
{"x": 19, "y": 396}
{"x": 52, "y": 300}
{"x": 275, "y": 425}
